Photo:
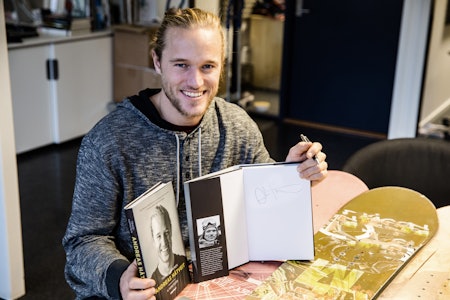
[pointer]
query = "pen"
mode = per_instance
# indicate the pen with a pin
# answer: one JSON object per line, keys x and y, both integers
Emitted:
{"x": 304, "y": 138}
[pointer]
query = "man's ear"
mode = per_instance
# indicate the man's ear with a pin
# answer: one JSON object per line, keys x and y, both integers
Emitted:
{"x": 156, "y": 62}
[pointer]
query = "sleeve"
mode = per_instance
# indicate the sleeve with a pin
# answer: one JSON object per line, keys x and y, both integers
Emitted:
{"x": 252, "y": 141}
{"x": 259, "y": 150}
{"x": 89, "y": 240}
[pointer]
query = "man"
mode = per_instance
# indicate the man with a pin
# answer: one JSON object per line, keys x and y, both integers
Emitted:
{"x": 174, "y": 134}
{"x": 210, "y": 234}
{"x": 161, "y": 229}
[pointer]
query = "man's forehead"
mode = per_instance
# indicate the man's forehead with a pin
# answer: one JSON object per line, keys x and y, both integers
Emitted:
{"x": 182, "y": 39}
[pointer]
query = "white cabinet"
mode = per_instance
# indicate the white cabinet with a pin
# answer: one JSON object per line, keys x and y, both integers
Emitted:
{"x": 68, "y": 104}
{"x": 31, "y": 98}
{"x": 84, "y": 86}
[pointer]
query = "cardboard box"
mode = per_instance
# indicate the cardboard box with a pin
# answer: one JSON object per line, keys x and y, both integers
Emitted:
{"x": 129, "y": 80}
{"x": 132, "y": 45}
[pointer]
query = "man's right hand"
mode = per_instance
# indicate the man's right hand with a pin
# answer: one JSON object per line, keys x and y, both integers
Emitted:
{"x": 135, "y": 288}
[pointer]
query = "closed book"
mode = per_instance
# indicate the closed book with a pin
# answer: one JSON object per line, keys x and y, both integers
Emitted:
{"x": 157, "y": 241}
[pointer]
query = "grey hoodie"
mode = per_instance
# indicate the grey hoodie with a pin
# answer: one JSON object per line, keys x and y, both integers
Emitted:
{"x": 124, "y": 155}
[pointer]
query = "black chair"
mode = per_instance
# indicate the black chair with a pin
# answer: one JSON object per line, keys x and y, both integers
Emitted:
{"x": 421, "y": 164}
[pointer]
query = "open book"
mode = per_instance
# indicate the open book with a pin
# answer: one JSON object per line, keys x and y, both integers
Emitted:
{"x": 248, "y": 213}
{"x": 157, "y": 242}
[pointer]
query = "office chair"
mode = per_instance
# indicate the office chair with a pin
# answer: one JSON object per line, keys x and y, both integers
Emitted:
{"x": 421, "y": 164}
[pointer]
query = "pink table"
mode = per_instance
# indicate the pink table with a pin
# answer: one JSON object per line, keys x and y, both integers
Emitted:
{"x": 332, "y": 193}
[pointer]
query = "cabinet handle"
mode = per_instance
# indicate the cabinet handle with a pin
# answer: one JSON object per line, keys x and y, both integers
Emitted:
{"x": 52, "y": 69}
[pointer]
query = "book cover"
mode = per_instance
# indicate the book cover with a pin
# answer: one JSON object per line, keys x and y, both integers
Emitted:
{"x": 157, "y": 242}
{"x": 207, "y": 234}
{"x": 256, "y": 209}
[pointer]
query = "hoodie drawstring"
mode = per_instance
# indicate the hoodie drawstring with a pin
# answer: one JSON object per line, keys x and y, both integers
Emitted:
{"x": 200, "y": 152}
{"x": 178, "y": 169}
{"x": 178, "y": 161}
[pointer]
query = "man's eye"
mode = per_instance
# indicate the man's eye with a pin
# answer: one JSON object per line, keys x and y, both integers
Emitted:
{"x": 181, "y": 65}
{"x": 207, "y": 67}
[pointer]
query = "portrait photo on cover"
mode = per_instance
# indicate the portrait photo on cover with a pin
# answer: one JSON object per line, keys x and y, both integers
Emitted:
{"x": 169, "y": 261}
{"x": 209, "y": 231}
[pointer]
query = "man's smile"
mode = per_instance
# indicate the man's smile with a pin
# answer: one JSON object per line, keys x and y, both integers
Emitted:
{"x": 192, "y": 94}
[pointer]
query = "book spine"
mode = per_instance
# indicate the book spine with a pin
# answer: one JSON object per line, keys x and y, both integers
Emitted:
{"x": 192, "y": 242}
{"x": 135, "y": 242}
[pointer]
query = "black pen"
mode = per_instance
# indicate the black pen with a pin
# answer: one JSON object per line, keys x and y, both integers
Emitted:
{"x": 304, "y": 138}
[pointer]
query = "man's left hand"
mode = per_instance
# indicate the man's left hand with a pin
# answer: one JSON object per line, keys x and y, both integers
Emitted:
{"x": 312, "y": 160}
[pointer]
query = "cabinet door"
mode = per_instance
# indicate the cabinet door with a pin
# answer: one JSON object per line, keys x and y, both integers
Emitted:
{"x": 84, "y": 85}
{"x": 31, "y": 97}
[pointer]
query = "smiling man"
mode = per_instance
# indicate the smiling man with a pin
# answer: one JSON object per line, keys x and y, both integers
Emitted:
{"x": 173, "y": 134}
{"x": 189, "y": 74}
{"x": 168, "y": 261}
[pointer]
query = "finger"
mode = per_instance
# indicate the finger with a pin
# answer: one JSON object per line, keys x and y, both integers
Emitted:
{"x": 313, "y": 150}
{"x": 141, "y": 283}
{"x": 313, "y": 162}
{"x": 311, "y": 170}
{"x": 318, "y": 177}
{"x": 320, "y": 156}
{"x": 298, "y": 152}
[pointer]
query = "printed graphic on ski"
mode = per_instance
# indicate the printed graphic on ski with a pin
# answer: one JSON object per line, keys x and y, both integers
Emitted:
{"x": 360, "y": 250}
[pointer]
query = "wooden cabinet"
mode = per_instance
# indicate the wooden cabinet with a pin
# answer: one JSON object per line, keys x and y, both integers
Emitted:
{"x": 60, "y": 88}
{"x": 133, "y": 65}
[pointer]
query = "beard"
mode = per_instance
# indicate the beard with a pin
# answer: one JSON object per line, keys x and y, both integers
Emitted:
{"x": 178, "y": 104}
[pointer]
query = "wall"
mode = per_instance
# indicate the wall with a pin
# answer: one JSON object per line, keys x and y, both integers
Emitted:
{"x": 209, "y": 5}
{"x": 12, "y": 283}
{"x": 436, "y": 85}
{"x": 409, "y": 69}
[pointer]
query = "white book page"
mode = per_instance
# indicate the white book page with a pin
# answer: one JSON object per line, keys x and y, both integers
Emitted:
{"x": 235, "y": 219}
{"x": 279, "y": 213}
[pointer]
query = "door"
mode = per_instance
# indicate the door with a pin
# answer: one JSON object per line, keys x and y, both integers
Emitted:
{"x": 339, "y": 62}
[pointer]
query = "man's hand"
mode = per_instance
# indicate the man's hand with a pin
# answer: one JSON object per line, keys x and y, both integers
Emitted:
{"x": 312, "y": 161}
{"x": 135, "y": 288}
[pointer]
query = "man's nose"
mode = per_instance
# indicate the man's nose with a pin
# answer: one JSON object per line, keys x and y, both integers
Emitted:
{"x": 165, "y": 240}
{"x": 196, "y": 78}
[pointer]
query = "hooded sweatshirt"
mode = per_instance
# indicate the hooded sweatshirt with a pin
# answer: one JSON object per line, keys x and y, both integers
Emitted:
{"x": 121, "y": 157}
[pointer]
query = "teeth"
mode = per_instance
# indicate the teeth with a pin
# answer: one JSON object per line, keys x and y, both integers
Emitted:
{"x": 192, "y": 94}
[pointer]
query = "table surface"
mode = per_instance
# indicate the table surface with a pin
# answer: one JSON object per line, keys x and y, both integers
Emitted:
{"x": 427, "y": 275}
{"x": 327, "y": 199}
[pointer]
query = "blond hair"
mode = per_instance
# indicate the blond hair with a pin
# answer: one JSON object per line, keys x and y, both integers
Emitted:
{"x": 186, "y": 18}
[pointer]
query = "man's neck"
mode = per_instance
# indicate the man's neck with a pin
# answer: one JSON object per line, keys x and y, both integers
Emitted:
{"x": 165, "y": 268}
{"x": 169, "y": 113}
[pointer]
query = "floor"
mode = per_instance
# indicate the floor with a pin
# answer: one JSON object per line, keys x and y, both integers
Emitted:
{"x": 46, "y": 179}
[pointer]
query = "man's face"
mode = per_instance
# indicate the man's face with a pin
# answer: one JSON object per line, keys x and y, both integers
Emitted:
{"x": 210, "y": 233}
{"x": 190, "y": 69}
{"x": 162, "y": 237}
